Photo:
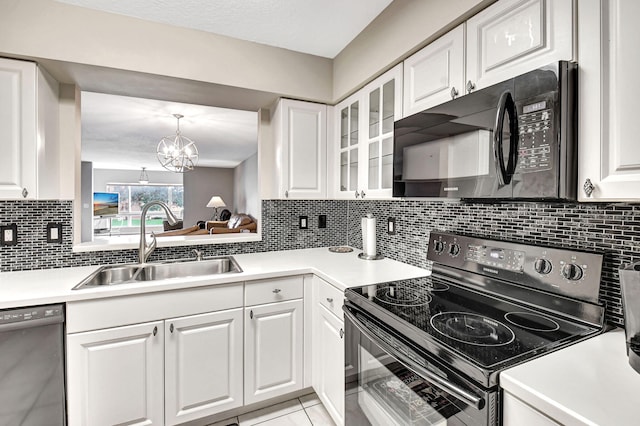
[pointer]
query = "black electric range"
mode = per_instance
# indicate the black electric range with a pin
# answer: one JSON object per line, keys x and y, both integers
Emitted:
{"x": 488, "y": 305}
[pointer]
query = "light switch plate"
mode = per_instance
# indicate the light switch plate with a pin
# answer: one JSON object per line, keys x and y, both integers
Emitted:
{"x": 9, "y": 235}
{"x": 391, "y": 226}
{"x": 54, "y": 232}
{"x": 303, "y": 222}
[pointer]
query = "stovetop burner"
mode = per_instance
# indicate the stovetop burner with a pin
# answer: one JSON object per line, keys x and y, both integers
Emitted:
{"x": 401, "y": 296}
{"x": 472, "y": 329}
{"x": 532, "y": 321}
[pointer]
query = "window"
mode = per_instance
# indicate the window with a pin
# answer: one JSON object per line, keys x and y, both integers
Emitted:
{"x": 133, "y": 197}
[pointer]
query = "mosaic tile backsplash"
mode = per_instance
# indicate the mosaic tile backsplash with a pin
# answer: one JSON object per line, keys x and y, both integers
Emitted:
{"x": 613, "y": 230}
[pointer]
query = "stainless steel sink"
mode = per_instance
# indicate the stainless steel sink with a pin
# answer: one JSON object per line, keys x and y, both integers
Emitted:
{"x": 123, "y": 274}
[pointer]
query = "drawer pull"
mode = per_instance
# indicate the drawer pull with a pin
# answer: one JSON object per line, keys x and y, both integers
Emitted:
{"x": 155, "y": 330}
{"x": 330, "y": 299}
{"x": 277, "y": 290}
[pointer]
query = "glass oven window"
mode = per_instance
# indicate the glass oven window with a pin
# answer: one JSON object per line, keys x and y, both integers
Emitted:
{"x": 390, "y": 394}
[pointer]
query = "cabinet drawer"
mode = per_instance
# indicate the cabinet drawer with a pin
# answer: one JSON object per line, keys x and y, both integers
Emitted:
{"x": 273, "y": 290}
{"x": 331, "y": 298}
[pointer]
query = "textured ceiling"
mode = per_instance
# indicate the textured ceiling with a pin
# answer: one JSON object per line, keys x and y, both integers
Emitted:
{"x": 120, "y": 132}
{"x": 317, "y": 27}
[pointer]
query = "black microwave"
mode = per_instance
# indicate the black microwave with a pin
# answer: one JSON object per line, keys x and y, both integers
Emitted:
{"x": 513, "y": 140}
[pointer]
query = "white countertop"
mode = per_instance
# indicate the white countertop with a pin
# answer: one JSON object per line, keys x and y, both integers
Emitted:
{"x": 342, "y": 270}
{"x": 589, "y": 383}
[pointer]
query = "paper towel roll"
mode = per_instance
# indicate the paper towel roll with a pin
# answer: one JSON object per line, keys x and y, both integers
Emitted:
{"x": 369, "y": 235}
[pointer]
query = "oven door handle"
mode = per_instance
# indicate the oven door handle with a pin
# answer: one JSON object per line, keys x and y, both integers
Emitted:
{"x": 469, "y": 398}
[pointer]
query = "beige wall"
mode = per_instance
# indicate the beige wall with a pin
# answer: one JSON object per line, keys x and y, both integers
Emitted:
{"x": 401, "y": 29}
{"x": 46, "y": 29}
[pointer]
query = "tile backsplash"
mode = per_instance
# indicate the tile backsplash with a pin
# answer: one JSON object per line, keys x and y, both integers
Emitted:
{"x": 613, "y": 230}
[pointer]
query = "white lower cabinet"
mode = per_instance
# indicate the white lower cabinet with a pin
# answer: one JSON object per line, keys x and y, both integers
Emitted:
{"x": 329, "y": 362}
{"x": 180, "y": 361}
{"x": 328, "y": 348}
{"x": 115, "y": 376}
{"x": 515, "y": 412}
{"x": 163, "y": 372}
{"x": 273, "y": 350}
{"x": 203, "y": 365}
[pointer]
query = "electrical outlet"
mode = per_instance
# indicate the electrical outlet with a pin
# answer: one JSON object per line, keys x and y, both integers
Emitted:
{"x": 9, "y": 235}
{"x": 54, "y": 232}
{"x": 391, "y": 226}
{"x": 322, "y": 221}
{"x": 303, "y": 222}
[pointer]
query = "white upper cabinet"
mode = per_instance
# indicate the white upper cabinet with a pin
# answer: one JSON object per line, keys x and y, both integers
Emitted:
{"x": 609, "y": 154}
{"x": 362, "y": 155}
{"x": 301, "y": 149}
{"x": 512, "y": 37}
{"x": 435, "y": 74}
{"x": 28, "y": 132}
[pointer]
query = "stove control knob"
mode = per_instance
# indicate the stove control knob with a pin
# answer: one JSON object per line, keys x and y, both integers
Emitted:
{"x": 438, "y": 246}
{"x": 543, "y": 266}
{"x": 572, "y": 272}
{"x": 454, "y": 250}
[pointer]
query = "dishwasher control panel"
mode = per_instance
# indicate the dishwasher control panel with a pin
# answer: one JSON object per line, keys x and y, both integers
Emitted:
{"x": 31, "y": 313}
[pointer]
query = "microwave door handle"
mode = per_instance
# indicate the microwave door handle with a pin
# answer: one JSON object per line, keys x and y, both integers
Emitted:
{"x": 498, "y": 144}
{"x": 514, "y": 136}
{"x": 467, "y": 397}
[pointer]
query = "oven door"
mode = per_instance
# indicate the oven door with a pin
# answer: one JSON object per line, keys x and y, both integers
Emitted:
{"x": 388, "y": 382}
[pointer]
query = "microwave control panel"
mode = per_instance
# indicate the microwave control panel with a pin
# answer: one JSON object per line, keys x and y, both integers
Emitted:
{"x": 535, "y": 127}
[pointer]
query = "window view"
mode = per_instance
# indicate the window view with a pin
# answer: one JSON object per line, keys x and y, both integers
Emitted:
{"x": 133, "y": 198}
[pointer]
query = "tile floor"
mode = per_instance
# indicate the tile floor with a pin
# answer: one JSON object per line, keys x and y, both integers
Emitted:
{"x": 304, "y": 411}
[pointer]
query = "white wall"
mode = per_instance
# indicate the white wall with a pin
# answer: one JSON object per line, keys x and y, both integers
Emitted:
{"x": 200, "y": 185}
{"x": 46, "y": 29}
{"x": 246, "y": 197}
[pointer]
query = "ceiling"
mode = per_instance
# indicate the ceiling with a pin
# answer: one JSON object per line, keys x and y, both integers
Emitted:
{"x": 316, "y": 27}
{"x": 120, "y": 132}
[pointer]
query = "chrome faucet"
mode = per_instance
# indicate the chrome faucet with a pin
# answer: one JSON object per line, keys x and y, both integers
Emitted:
{"x": 146, "y": 249}
{"x": 198, "y": 254}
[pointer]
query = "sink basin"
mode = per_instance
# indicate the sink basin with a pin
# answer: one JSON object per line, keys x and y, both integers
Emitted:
{"x": 164, "y": 271}
{"x": 123, "y": 274}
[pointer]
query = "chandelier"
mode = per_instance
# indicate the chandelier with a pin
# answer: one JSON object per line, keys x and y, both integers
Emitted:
{"x": 177, "y": 153}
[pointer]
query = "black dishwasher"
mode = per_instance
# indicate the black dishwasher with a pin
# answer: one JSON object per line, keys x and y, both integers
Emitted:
{"x": 32, "y": 389}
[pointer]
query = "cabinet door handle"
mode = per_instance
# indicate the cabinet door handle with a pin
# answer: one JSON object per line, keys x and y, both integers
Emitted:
{"x": 330, "y": 299}
{"x": 588, "y": 187}
{"x": 286, "y": 194}
{"x": 454, "y": 93}
{"x": 276, "y": 290}
{"x": 171, "y": 328}
{"x": 155, "y": 330}
{"x": 362, "y": 194}
{"x": 251, "y": 314}
{"x": 24, "y": 192}
{"x": 341, "y": 333}
{"x": 470, "y": 86}
{"x": 357, "y": 194}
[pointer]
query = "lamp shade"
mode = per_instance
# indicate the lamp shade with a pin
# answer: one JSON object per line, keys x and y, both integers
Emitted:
{"x": 216, "y": 201}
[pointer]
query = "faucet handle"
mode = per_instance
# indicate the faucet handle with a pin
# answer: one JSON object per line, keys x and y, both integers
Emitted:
{"x": 198, "y": 254}
{"x": 151, "y": 247}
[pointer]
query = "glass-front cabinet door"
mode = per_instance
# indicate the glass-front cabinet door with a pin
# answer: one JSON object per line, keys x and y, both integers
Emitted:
{"x": 349, "y": 140}
{"x": 365, "y": 138}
